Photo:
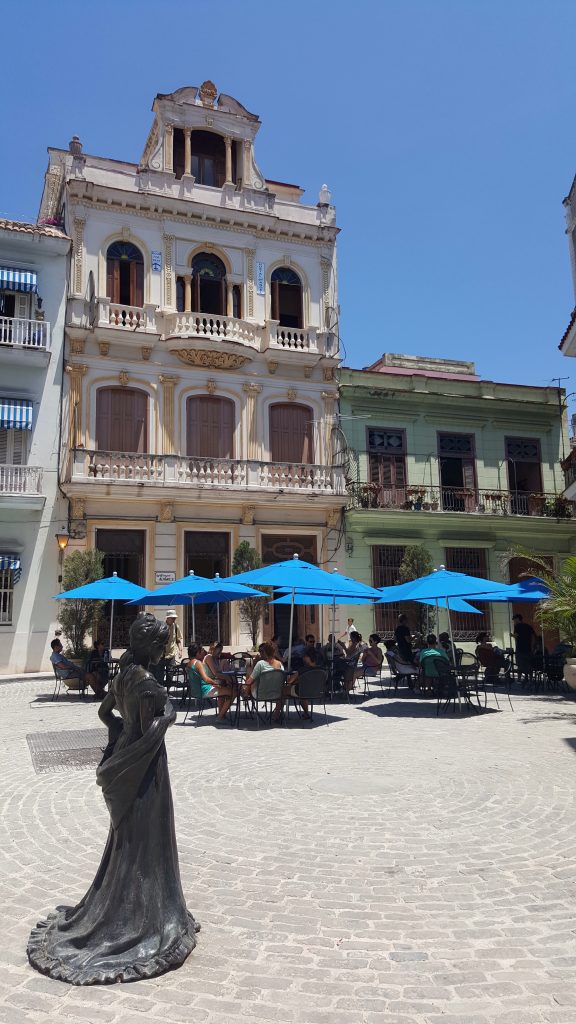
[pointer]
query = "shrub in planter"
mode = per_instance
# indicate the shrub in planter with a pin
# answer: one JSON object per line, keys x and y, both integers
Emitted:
{"x": 77, "y": 615}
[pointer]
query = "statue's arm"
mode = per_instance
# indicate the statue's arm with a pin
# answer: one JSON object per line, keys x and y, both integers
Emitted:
{"x": 147, "y": 709}
{"x": 105, "y": 709}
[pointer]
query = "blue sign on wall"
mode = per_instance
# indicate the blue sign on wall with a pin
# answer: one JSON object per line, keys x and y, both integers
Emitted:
{"x": 156, "y": 261}
{"x": 260, "y": 278}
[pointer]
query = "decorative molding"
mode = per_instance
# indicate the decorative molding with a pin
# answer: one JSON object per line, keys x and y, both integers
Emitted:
{"x": 169, "y": 147}
{"x": 291, "y": 394}
{"x": 308, "y": 371}
{"x": 251, "y": 388}
{"x": 104, "y": 347}
{"x": 212, "y": 360}
{"x": 248, "y": 513}
{"x": 123, "y": 378}
{"x": 326, "y": 268}
{"x": 207, "y": 93}
{"x": 211, "y": 386}
{"x": 78, "y": 508}
{"x": 168, "y": 275}
{"x": 272, "y": 366}
{"x": 328, "y": 373}
{"x": 333, "y": 518}
{"x": 250, "y": 254}
{"x": 79, "y": 224}
{"x": 77, "y": 346}
{"x": 146, "y": 352}
{"x": 166, "y": 512}
{"x": 76, "y": 371}
{"x": 169, "y": 379}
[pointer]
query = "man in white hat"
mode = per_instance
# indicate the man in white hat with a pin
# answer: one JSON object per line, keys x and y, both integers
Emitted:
{"x": 173, "y": 648}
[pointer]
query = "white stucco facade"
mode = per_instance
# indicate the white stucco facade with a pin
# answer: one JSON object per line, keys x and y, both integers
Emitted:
{"x": 32, "y": 510}
{"x": 200, "y": 313}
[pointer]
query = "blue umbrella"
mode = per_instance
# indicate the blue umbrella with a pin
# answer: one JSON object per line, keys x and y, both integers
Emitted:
{"x": 297, "y": 576}
{"x": 526, "y": 591}
{"x": 438, "y": 585}
{"x": 112, "y": 588}
{"x": 303, "y": 597}
{"x": 194, "y": 590}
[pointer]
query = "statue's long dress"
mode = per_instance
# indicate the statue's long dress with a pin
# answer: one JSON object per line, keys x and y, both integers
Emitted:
{"x": 133, "y": 922}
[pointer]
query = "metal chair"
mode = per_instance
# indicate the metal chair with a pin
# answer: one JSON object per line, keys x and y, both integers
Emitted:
{"x": 177, "y": 679}
{"x": 70, "y": 684}
{"x": 312, "y": 688}
{"x": 268, "y": 689}
{"x": 400, "y": 670}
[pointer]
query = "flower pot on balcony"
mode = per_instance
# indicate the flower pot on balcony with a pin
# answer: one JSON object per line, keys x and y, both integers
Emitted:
{"x": 433, "y": 506}
{"x": 570, "y": 673}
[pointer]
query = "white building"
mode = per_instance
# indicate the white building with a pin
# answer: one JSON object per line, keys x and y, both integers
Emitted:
{"x": 33, "y": 271}
{"x": 201, "y": 353}
{"x": 568, "y": 341}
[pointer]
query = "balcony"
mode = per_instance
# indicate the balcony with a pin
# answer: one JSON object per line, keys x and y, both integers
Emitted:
{"x": 21, "y": 337}
{"x": 181, "y": 471}
{"x": 460, "y": 500}
{"x": 217, "y": 328}
{"x": 21, "y": 486}
{"x": 128, "y": 318}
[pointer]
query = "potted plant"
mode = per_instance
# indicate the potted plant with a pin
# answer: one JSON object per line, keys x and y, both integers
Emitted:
{"x": 417, "y": 494}
{"x": 434, "y": 501}
{"x": 536, "y": 504}
{"x": 559, "y": 611}
{"x": 77, "y": 615}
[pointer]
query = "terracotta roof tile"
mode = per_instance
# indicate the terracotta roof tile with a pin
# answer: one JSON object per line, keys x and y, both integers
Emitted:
{"x": 32, "y": 229}
{"x": 568, "y": 329}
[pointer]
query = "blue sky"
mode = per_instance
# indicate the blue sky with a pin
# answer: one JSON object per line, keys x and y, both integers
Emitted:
{"x": 443, "y": 127}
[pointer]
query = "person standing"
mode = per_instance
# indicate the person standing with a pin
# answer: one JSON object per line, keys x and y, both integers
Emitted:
{"x": 403, "y": 639}
{"x": 172, "y": 650}
{"x": 525, "y": 639}
{"x": 350, "y": 628}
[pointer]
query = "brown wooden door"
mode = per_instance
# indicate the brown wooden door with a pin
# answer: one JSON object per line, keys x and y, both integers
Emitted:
{"x": 210, "y": 427}
{"x": 121, "y": 420}
{"x": 291, "y": 437}
{"x": 113, "y": 279}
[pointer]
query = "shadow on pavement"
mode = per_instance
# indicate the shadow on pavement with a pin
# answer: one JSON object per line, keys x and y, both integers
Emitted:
{"x": 415, "y": 708}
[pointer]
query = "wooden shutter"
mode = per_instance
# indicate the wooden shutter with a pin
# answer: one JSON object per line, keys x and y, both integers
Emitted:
{"x": 468, "y": 474}
{"x": 136, "y": 284}
{"x": 19, "y": 446}
{"x": 210, "y": 427}
{"x": 113, "y": 279}
{"x": 122, "y": 420}
{"x": 3, "y": 446}
{"x": 291, "y": 433}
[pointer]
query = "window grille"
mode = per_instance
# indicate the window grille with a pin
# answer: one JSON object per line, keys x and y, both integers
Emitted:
{"x": 6, "y": 596}
{"x": 386, "y": 562}
{"x": 389, "y": 441}
{"x": 522, "y": 449}
{"x": 456, "y": 444}
{"x": 472, "y": 561}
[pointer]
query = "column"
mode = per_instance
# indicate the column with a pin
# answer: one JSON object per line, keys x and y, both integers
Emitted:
{"x": 168, "y": 382}
{"x": 169, "y": 147}
{"x": 187, "y": 151}
{"x": 252, "y": 391}
{"x": 76, "y": 372}
{"x": 247, "y": 164}
{"x": 228, "y": 145}
{"x": 187, "y": 293}
{"x": 168, "y": 274}
{"x": 229, "y": 299}
{"x": 329, "y": 398}
{"x": 79, "y": 224}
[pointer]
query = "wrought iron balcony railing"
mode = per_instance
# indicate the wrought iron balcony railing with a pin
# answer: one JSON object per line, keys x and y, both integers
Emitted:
{"x": 479, "y": 501}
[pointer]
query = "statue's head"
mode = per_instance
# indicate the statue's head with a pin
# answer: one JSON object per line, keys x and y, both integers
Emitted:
{"x": 148, "y": 637}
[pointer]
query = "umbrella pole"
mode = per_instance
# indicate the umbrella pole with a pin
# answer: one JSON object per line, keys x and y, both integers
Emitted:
{"x": 218, "y": 620}
{"x": 111, "y": 627}
{"x": 291, "y": 628}
{"x": 193, "y": 621}
{"x": 454, "y": 649}
{"x": 333, "y": 645}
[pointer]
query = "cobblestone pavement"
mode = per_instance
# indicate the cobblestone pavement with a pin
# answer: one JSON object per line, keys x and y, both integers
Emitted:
{"x": 385, "y": 867}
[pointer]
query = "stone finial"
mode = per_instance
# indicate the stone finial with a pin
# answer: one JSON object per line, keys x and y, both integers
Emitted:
{"x": 75, "y": 146}
{"x": 324, "y": 196}
{"x": 208, "y": 93}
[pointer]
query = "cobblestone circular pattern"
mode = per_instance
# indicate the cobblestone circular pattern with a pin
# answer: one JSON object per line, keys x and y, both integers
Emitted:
{"x": 385, "y": 867}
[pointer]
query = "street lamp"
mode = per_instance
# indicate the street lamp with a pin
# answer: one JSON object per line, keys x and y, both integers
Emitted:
{"x": 62, "y": 538}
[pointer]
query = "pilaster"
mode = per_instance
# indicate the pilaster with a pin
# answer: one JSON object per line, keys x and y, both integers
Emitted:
{"x": 76, "y": 372}
{"x": 168, "y": 381}
{"x": 252, "y": 390}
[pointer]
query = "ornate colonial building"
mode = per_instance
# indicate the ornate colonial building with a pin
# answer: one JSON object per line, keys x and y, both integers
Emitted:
{"x": 201, "y": 352}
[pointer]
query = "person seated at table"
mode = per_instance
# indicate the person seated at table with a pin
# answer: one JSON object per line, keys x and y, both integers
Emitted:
{"x": 98, "y": 664}
{"x": 213, "y": 662}
{"x": 268, "y": 663}
{"x": 432, "y": 649}
{"x": 448, "y": 646}
{"x": 68, "y": 671}
{"x": 354, "y": 652}
{"x": 372, "y": 658}
{"x": 339, "y": 648}
{"x": 490, "y": 657}
{"x": 202, "y": 685}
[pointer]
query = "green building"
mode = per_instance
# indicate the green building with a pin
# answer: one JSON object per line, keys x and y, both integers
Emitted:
{"x": 470, "y": 468}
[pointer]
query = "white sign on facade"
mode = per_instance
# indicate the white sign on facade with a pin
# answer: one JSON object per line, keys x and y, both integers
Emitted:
{"x": 156, "y": 258}
{"x": 260, "y": 278}
{"x": 160, "y": 578}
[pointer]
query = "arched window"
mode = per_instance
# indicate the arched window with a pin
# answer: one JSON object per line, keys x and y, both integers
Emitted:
{"x": 287, "y": 298}
{"x": 208, "y": 158}
{"x": 291, "y": 433}
{"x": 121, "y": 420}
{"x": 208, "y": 284}
{"x": 125, "y": 274}
{"x": 210, "y": 427}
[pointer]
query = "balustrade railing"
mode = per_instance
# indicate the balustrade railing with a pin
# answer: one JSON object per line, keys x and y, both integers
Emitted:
{"x": 460, "y": 499}
{"x": 25, "y": 333}
{"x": 20, "y": 479}
{"x": 298, "y": 339}
{"x": 207, "y": 325}
{"x": 119, "y": 315}
{"x": 193, "y": 471}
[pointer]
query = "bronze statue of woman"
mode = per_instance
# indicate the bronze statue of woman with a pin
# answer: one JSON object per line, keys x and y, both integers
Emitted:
{"x": 133, "y": 922}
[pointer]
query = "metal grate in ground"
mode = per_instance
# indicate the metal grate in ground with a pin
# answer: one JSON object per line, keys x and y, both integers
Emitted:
{"x": 67, "y": 750}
